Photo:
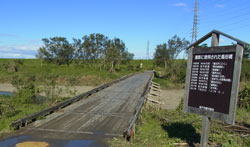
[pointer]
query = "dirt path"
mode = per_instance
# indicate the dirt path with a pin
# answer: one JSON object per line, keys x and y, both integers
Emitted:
{"x": 169, "y": 99}
{"x": 65, "y": 91}
{"x": 7, "y": 87}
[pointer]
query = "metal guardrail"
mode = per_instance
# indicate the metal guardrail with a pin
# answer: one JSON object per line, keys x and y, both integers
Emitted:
{"x": 130, "y": 130}
{"x": 33, "y": 117}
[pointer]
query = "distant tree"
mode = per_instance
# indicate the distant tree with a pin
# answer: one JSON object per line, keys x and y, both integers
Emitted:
{"x": 57, "y": 50}
{"x": 170, "y": 50}
{"x": 246, "y": 52}
{"x": 93, "y": 46}
{"x": 162, "y": 54}
{"x": 176, "y": 45}
{"x": 114, "y": 52}
{"x": 78, "y": 48}
{"x": 127, "y": 56}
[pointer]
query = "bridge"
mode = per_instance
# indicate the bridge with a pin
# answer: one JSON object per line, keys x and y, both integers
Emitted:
{"x": 106, "y": 112}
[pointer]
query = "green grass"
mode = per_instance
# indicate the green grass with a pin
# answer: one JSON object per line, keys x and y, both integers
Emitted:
{"x": 87, "y": 74}
{"x": 243, "y": 115}
{"x": 166, "y": 127}
{"x": 20, "y": 111}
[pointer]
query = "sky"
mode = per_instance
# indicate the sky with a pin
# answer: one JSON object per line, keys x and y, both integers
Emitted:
{"x": 25, "y": 22}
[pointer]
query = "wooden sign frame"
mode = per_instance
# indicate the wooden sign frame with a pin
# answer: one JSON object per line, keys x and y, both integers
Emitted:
{"x": 238, "y": 50}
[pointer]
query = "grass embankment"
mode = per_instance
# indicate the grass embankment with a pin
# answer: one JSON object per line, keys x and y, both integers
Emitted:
{"x": 157, "y": 127}
{"x": 11, "y": 109}
{"x": 78, "y": 74}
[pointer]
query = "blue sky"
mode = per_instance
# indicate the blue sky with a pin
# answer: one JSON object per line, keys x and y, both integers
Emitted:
{"x": 25, "y": 22}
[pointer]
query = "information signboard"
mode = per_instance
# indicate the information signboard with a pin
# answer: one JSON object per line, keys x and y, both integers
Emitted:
{"x": 212, "y": 81}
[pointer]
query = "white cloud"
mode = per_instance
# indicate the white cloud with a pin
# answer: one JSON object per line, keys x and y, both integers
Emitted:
{"x": 219, "y": 5}
{"x": 9, "y": 35}
{"x": 31, "y": 47}
{"x": 180, "y": 4}
{"x": 13, "y": 55}
{"x": 19, "y": 51}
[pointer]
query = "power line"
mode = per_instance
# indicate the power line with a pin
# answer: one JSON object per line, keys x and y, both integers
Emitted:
{"x": 240, "y": 21}
{"x": 229, "y": 24}
{"x": 238, "y": 27}
{"x": 228, "y": 18}
{"x": 228, "y": 10}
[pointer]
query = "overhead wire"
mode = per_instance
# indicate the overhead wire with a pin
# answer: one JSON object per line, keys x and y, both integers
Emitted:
{"x": 227, "y": 18}
{"x": 225, "y": 12}
{"x": 233, "y": 19}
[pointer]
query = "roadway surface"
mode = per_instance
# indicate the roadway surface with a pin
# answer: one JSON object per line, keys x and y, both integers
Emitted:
{"x": 103, "y": 114}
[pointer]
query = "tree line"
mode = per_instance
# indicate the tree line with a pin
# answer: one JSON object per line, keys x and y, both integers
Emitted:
{"x": 90, "y": 48}
{"x": 166, "y": 52}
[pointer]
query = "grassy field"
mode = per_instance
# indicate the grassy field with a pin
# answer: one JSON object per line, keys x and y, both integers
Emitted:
{"x": 83, "y": 74}
{"x": 96, "y": 73}
{"x": 157, "y": 127}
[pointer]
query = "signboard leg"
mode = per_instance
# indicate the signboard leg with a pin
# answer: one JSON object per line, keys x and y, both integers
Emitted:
{"x": 205, "y": 131}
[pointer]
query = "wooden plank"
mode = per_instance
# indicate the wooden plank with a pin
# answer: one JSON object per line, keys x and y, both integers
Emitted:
{"x": 155, "y": 83}
{"x": 240, "y": 42}
{"x": 30, "y": 118}
{"x": 205, "y": 131}
{"x": 205, "y": 119}
{"x": 215, "y": 39}
{"x": 235, "y": 84}
{"x": 129, "y": 130}
{"x": 188, "y": 73}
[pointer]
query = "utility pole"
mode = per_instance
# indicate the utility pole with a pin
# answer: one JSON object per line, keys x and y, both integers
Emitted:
{"x": 148, "y": 51}
{"x": 195, "y": 22}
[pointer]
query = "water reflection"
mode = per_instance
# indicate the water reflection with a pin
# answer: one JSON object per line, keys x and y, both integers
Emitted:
{"x": 11, "y": 142}
{"x": 6, "y": 93}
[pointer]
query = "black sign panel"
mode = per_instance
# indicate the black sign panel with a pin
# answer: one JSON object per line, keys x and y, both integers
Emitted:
{"x": 211, "y": 81}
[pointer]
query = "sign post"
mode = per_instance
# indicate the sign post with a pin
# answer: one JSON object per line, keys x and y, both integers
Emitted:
{"x": 212, "y": 82}
{"x": 206, "y": 120}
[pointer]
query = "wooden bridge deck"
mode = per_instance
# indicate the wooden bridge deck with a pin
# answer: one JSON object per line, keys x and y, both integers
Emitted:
{"x": 105, "y": 113}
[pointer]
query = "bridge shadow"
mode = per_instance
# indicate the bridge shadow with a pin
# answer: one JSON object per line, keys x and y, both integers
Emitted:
{"x": 183, "y": 131}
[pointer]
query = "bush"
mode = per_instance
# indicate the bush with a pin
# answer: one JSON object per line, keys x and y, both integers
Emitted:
{"x": 245, "y": 72}
{"x": 130, "y": 67}
{"x": 176, "y": 71}
{"x": 6, "y": 108}
{"x": 244, "y": 97}
{"x": 26, "y": 89}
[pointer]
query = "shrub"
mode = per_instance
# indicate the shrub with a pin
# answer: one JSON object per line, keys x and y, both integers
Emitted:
{"x": 245, "y": 72}
{"x": 6, "y": 108}
{"x": 26, "y": 89}
{"x": 244, "y": 97}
